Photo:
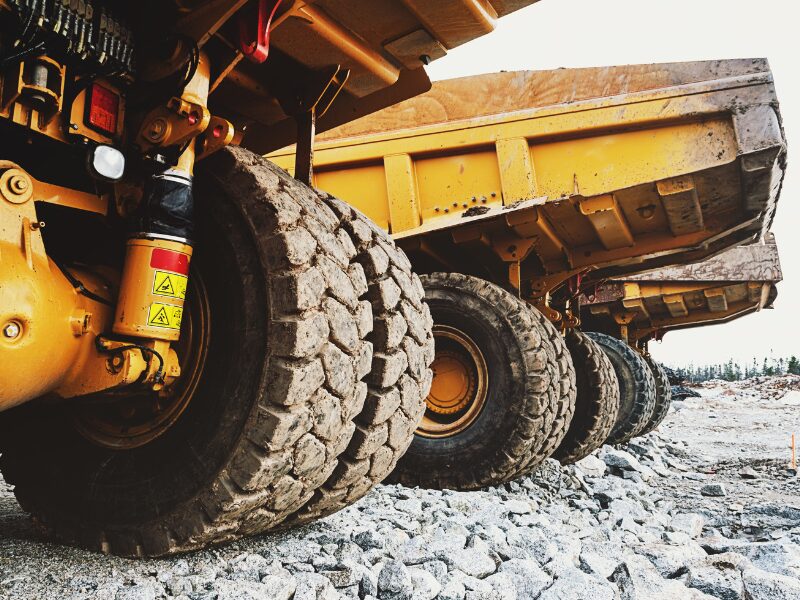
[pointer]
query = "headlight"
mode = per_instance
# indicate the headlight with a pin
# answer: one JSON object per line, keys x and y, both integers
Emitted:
{"x": 106, "y": 162}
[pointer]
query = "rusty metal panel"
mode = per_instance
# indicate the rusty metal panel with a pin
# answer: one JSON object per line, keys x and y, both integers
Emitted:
{"x": 755, "y": 262}
{"x": 507, "y": 92}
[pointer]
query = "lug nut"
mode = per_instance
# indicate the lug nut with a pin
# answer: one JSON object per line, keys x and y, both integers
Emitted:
{"x": 19, "y": 184}
{"x": 11, "y": 330}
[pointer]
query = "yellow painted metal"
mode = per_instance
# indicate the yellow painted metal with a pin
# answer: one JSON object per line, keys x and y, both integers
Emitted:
{"x": 151, "y": 299}
{"x": 401, "y": 191}
{"x": 16, "y": 105}
{"x": 133, "y": 418}
{"x": 460, "y": 385}
{"x": 735, "y": 283}
{"x": 608, "y": 222}
{"x": 48, "y": 328}
{"x": 614, "y": 183}
{"x": 517, "y": 175}
{"x": 453, "y": 166}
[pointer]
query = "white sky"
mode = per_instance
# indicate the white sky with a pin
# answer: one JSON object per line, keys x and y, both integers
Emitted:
{"x": 587, "y": 33}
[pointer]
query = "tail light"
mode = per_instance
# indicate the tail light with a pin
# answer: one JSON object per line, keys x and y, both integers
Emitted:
{"x": 103, "y": 109}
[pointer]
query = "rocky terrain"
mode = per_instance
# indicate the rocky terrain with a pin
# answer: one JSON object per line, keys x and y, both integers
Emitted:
{"x": 706, "y": 507}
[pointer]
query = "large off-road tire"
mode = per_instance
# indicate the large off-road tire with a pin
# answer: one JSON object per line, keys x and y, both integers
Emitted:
{"x": 567, "y": 394}
{"x": 597, "y": 402}
{"x": 400, "y": 375}
{"x": 285, "y": 322}
{"x": 496, "y": 392}
{"x": 663, "y": 396}
{"x": 637, "y": 388}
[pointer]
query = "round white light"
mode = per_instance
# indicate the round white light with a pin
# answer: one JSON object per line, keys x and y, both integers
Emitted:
{"x": 107, "y": 162}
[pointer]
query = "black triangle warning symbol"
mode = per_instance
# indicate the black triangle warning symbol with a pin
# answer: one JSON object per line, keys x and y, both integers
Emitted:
{"x": 160, "y": 318}
{"x": 166, "y": 287}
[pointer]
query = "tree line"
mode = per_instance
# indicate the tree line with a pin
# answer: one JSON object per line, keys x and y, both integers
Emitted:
{"x": 736, "y": 371}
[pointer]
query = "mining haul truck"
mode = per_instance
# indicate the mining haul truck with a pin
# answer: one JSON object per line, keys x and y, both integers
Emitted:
{"x": 515, "y": 193}
{"x": 195, "y": 346}
{"x": 640, "y": 308}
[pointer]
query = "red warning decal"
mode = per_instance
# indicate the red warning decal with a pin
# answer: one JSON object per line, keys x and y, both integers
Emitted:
{"x": 169, "y": 260}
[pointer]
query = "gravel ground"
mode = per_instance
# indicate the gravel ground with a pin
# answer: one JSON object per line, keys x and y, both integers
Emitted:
{"x": 706, "y": 507}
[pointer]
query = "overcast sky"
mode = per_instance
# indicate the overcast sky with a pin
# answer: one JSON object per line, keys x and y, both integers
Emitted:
{"x": 588, "y": 33}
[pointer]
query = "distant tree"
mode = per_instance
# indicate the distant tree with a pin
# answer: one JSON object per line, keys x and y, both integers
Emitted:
{"x": 793, "y": 366}
{"x": 768, "y": 369}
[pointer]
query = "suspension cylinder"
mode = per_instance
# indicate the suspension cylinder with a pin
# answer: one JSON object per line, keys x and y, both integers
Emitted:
{"x": 153, "y": 287}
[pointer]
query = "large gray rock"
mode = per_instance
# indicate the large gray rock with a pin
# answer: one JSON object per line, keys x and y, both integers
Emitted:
{"x": 637, "y": 579}
{"x": 781, "y": 557}
{"x": 572, "y": 583}
{"x": 601, "y": 558}
{"x": 621, "y": 460}
{"x": 670, "y": 560}
{"x": 528, "y": 577}
{"x": 688, "y": 523}
{"x": 470, "y": 561}
{"x": 720, "y": 580}
{"x": 395, "y": 581}
{"x": 713, "y": 489}
{"x": 453, "y": 590}
{"x": 591, "y": 466}
{"x": 762, "y": 585}
{"x": 425, "y": 585}
{"x": 630, "y": 509}
{"x": 137, "y": 592}
{"x": 503, "y": 587}
{"x": 250, "y": 590}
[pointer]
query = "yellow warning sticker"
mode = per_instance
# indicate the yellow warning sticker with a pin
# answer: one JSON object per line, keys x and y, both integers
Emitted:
{"x": 165, "y": 315}
{"x": 169, "y": 284}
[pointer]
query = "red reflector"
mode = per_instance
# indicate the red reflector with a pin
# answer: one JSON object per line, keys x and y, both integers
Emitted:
{"x": 103, "y": 109}
{"x": 167, "y": 260}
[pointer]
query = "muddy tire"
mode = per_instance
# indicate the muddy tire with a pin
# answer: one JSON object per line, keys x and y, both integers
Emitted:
{"x": 566, "y": 394}
{"x": 597, "y": 402}
{"x": 663, "y": 396}
{"x": 400, "y": 376}
{"x": 492, "y": 415}
{"x": 637, "y": 387}
{"x": 274, "y": 406}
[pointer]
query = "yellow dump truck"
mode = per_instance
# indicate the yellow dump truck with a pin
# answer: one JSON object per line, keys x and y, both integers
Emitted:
{"x": 641, "y": 308}
{"x": 193, "y": 345}
{"x": 514, "y": 192}
{"x": 645, "y": 307}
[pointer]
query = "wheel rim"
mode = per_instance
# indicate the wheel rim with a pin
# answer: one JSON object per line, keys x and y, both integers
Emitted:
{"x": 128, "y": 420}
{"x": 460, "y": 385}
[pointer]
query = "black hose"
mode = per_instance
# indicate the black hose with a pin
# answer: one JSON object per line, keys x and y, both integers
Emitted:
{"x": 81, "y": 289}
{"x": 148, "y": 352}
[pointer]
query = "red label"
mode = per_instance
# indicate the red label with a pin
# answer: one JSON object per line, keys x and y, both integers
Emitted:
{"x": 103, "y": 109}
{"x": 167, "y": 260}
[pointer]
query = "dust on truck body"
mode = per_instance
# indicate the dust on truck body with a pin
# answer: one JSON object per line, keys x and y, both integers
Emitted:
{"x": 645, "y": 307}
{"x": 185, "y": 332}
{"x": 536, "y": 176}
{"x": 513, "y": 193}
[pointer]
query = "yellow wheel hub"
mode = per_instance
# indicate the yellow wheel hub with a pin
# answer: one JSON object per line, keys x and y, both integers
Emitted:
{"x": 131, "y": 419}
{"x": 453, "y": 385}
{"x": 459, "y": 388}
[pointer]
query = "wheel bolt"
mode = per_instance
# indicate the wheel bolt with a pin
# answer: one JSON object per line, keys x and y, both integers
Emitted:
{"x": 11, "y": 330}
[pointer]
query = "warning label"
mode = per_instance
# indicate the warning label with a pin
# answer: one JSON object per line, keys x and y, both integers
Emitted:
{"x": 169, "y": 284}
{"x": 165, "y": 315}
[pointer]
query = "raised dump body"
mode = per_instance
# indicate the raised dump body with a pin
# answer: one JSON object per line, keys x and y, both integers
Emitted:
{"x": 735, "y": 283}
{"x": 529, "y": 178}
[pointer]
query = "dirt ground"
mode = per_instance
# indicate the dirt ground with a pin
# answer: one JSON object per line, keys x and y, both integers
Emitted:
{"x": 739, "y": 434}
{"x": 611, "y": 527}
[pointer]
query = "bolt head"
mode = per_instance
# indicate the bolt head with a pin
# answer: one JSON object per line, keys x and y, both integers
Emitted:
{"x": 12, "y": 330}
{"x": 19, "y": 184}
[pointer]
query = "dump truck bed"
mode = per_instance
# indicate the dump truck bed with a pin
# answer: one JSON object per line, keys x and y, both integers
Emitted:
{"x": 547, "y": 174}
{"x": 735, "y": 283}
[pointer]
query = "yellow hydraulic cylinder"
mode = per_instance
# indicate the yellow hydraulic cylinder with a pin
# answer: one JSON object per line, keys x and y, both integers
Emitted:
{"x": 153, "y": 288}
